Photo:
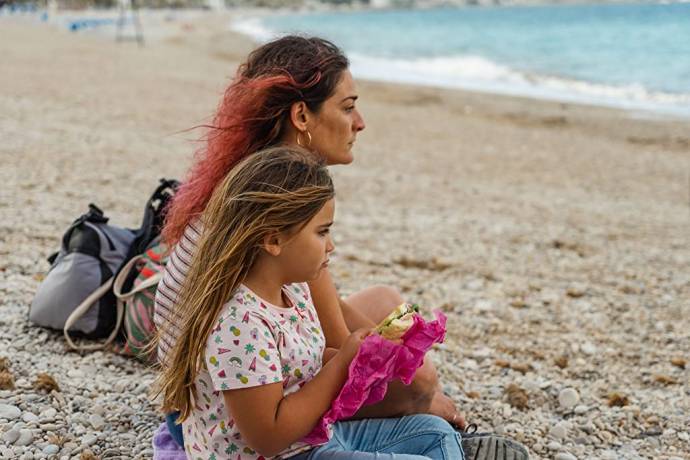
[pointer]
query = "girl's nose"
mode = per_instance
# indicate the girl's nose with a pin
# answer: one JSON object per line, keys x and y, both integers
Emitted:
{"x": 329, "y": 245}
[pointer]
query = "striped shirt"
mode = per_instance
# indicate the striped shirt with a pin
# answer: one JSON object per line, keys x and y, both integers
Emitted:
{"x": 170, "y": 286}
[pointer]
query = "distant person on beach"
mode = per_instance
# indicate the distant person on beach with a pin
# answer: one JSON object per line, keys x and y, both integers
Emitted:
{"x": 246, "y": 315}
{"x": 293, "y": 91}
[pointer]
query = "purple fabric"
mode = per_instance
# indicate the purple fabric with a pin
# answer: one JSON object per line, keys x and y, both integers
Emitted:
{"x": 165, "y": 447}
{"x": 377, "y": 362}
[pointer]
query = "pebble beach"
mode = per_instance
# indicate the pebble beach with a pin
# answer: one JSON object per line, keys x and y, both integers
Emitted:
{"x": 555, "y": 237}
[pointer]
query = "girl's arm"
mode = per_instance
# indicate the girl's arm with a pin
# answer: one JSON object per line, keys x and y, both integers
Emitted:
{"x": 271, "y": 422}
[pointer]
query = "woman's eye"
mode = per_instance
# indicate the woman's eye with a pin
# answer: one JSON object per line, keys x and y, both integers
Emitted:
{"x": 324, "y": 232}
{"x": 350, "y": 109}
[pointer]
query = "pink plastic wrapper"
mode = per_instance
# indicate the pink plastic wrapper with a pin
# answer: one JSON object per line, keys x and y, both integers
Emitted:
{"x": 377, "y": 362}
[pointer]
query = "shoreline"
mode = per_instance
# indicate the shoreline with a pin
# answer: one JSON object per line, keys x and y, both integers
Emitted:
{"x": 515, "y": 83}
{"x": 554, "y": 237}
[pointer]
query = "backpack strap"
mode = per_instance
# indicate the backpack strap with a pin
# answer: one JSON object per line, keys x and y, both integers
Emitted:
{"x": 122, "y": 277}
{"x": 151, "y": 223}
{"x": 83, "y": 308}
{"x": 154, "y": 212}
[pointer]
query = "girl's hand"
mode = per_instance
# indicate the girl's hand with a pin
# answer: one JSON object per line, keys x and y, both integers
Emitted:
{"x": 352, "y": 343}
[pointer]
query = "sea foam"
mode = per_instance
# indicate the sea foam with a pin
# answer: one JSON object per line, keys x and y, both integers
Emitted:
{"x": 471, "y": 71}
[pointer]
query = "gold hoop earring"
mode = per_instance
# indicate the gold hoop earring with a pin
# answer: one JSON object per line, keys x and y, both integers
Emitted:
{"x": 308, "y": 139}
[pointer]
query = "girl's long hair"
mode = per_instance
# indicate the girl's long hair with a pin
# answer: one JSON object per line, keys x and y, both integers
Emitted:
{"x": 252, "y": 115}
{"x": 275, "y": 190}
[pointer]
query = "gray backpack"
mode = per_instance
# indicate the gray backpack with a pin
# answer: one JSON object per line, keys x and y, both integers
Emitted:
{"x": 76, "y": 295}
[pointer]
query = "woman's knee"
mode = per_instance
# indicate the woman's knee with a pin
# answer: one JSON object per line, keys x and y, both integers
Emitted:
{"x": 388, "y": 295}
{"x": 434, "y": 423}
{"x": 375, "y": 302}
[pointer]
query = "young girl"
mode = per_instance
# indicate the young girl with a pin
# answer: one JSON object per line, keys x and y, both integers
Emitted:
{"x": 249, "y": 372}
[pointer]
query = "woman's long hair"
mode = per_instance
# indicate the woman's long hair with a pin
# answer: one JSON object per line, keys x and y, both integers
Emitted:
{"x": 275, "y": 190}
{"x": 252, "y": 115}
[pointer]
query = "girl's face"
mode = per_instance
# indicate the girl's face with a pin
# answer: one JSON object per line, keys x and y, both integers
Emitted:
{"x": 334, "y": 128}
{"x": 305, "y": 254}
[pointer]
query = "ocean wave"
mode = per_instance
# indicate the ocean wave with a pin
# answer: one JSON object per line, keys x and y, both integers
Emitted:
{"x": 477, "y": 73}
{"x": 254, "y": 28}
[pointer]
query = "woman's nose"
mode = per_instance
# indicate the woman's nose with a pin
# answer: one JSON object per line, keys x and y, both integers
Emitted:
{"x": 358, "y": 122}
{"x": 329, "y": 245}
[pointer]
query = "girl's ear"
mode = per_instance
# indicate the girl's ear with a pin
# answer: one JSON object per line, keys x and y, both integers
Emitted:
{"x": 272, "y": 244}
{"x": 299, "y": 115}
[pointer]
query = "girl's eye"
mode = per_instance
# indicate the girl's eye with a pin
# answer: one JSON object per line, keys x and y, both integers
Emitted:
{"x": 324, "y": 232}
{"x": 350, "y": 109}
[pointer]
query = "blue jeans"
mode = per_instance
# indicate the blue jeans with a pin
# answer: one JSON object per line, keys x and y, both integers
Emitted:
{"x": 413, "y": 437}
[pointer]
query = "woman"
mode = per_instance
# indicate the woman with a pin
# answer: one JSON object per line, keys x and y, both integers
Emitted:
{"x": 293, "y": 90}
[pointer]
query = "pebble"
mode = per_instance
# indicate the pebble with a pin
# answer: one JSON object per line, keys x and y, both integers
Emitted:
{"x": 96, "y": 422}
{"x": 581, "y": 409}
{"x": 10, "y": 436}
{"x": 553, "y": 445}
{"x": 28, "y": 417}
{"x": 75, "y": 373}
{"x": 27, "y": 456}
{"x": 559, "y": 430}
{"x": 50, "y": 449}
{"x": 9, "y": 412}
{"x": 588, "y": 427}
{"x": 588, "y": 348}
{"x": 26, "y": 437}
{"x": 609, "y": 455}
{"x": 98, "y": 410}
{"x": 568, "y": 397}
{"x": 564, "y": 456}
{"x": 88, "y": 440}
{"x": 48, "y": 413}
{"x": 6, "y": 452}
{"x": 49, "y": 427}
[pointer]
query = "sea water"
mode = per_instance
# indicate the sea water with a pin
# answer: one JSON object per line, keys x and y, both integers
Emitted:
{"x": 633, "y": 56}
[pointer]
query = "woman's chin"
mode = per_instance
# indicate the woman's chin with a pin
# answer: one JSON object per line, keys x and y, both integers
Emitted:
{"x": 346, "y": 159}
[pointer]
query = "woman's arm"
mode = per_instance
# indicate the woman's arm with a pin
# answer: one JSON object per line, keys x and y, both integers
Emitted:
{"x": 271, "y": 422}
{"x": 328, "y": 307}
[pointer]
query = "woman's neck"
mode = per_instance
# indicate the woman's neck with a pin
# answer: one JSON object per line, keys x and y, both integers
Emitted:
{"x": 263, "y": 280}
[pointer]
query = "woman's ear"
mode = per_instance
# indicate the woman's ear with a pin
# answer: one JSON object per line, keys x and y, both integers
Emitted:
{"x": 272, "y": 244}
{"x": 299, "y": 115}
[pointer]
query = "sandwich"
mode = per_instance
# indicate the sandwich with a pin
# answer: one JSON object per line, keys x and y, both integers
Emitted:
{"x": 396, "y": 324}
